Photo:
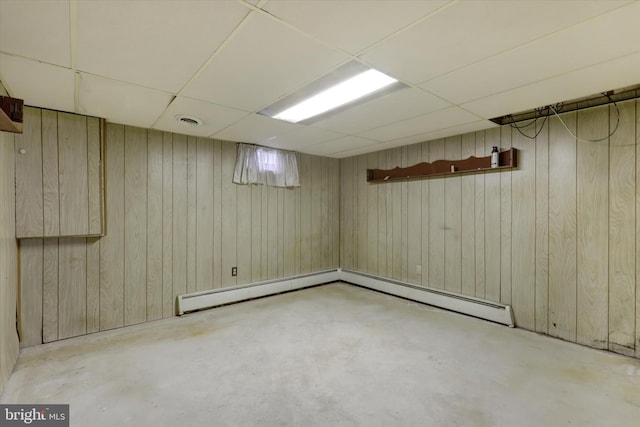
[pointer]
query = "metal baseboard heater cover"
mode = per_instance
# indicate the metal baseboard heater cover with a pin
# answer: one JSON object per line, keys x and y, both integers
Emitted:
{"x": 475, "y": 307}
{"x": 471, "y": 306}
{"x": 207, "y": 299}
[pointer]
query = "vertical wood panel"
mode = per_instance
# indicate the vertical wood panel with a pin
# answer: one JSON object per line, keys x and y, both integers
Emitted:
{"x": 272, "y": 234}
{"x": 50, "y": 290}
{"x": 305, "y": 213}
{"x": 414, "y": 222}
{"x": 94, "y": 175}
{"x": 72, "y": 158}
{"x": 192, "y": 193}
{"x": 334, "y": 213}
{"x": 154, "y": 225}
{"x": 316, "y": 207}
{"x": 93, "y": 284}
{"x": 592, "y": 222}
{"x": 372, "y": 219}
{"x": 404, "y": 238}
{"x": 50, "y": 188}
{"x": 167, "y": 225}
{"x": 362, "y": 219}
{"x": 468, "y": 282}
{"x": 31, "y": 265}
{"x": 436, "y": 220}
{"x": 492, "y": 235}
{"x": 256, "y": 234}
{"x": 217, "y": 214}
{"x": 325, "y": 220}
{"x": 425, "y": 222}
{"x": 622, "y": 244}
{"x": 346, "y": 232}
{"x": 480, "y": 264}
{"x": 245, "y": 243}
{"x": 562, "y": 229}
{"x": 229, "y": 214}
{"x": 112, "y": 245}
{"x": 542, "y": 229}
{"x": 523, "y": 187}
{"x": 135, "y": 225}
{"x": 290, "y": 229}
{"x": 383, "y": 219}
{"x": 29, "y": 179}
{"x": 204, "y": 215}
{"x": 280, "y": 231}
{"x": 179, "y": 215}
{"x": 453, "y": 220}
{"x": 637, "y": 139}
{"x": 72, "y": 297}
{"x": 505, "y": 222}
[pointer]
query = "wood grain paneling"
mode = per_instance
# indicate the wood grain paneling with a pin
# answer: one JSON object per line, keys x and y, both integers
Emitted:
{"x": 562, "y": 229}
{"x": 154, "y": 225}
{"x": 372, "y": 220}
{"x": 135, "y": 225}
{"x": 28, "y": 157}
{"x": 158, "y": 183}
{"x": 467, "y": 212}
{"x": 50, "y": 184}
{"x": 414, "y": 219}
{"x": 8, "y": 260}
{"x": 542, "y": 229}
{"x": 622, "y": 243}
{"x": 72, "y": 287}
{"x": 94, "y": 175}
{"x": 74, "y": 190}
{"x": 557, "y": 237}
{"x": 492, "y": 227}
{"x": 592, "y": 227}
{"x": 523, "y": 226}
{"x": 505, "y": 222}
{"x": 31, "y": 263}
{"x": 112, "y": 245}
{"x": 453, "y": 221}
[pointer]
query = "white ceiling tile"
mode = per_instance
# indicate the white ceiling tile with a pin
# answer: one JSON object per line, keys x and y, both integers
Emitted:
{"x": 214, "y": 117}
{"x": 120, "y": 102}
{"x": 401, "y": 105}
{"x": 39, "y": 84}
{"x": 361, "y": 150}
{"x": 544, "y": 58}
{"x": 298, "y": 139}
{"x": 262, "y": 63}
{"x": 437, "y": 120}
{"x": 610, "y": 75}
{"x": 442, "y": 133}
{"x": 157, "y": 44}
{"x": 469, "y": 31}
{"x": 337, "y": 145}
{"x": 351, "y": 25}
{"x": 256, "y": 129}
{"x": 36, "y": 29}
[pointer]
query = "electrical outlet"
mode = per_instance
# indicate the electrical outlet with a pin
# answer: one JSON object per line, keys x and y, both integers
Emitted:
{"x": 418, "y": 270}
{"x": 234, "y": 271}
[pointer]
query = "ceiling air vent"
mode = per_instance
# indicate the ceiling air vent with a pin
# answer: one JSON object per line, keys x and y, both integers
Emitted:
{"x": 189, "y": 120}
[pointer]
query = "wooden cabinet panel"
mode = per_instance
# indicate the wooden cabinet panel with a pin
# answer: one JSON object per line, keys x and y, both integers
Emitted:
{"x": 29, "y": 176}
{"x": 59, "y": 175}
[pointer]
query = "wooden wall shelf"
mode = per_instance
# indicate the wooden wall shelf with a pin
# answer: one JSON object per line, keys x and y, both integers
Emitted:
{"x": 11, "y": 114}
{"x": 444, "y": 167}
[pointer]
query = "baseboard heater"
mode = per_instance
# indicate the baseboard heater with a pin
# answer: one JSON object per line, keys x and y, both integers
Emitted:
{"x": 207, "y": 299}
{"x": 476, "y": 307}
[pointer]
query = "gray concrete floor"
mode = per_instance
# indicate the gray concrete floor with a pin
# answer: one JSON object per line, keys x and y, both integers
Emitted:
{"x": 335, "y": 355}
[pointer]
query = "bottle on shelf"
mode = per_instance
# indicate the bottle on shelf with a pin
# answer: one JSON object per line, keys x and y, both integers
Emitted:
{"x": 495, "y": 157}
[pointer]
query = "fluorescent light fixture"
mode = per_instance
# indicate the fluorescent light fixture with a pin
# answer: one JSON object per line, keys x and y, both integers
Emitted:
{"x": 342, "y": 93}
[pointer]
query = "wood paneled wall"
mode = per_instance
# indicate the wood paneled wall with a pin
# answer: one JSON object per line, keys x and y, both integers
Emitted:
{"x": 8, "y": 261}
{"x": 558, "y": 238}
{"x": 176, "y": 224}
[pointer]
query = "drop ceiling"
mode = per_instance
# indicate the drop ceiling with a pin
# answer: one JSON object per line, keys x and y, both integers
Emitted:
{"x": 141, "y": 63}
